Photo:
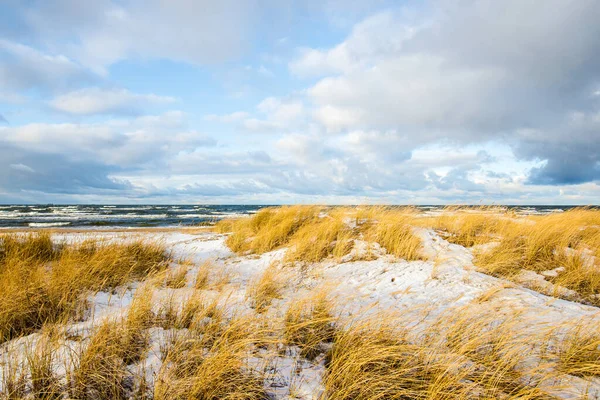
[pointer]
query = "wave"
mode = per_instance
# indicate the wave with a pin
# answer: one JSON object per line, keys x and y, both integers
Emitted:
{"x": 47, "y": 224}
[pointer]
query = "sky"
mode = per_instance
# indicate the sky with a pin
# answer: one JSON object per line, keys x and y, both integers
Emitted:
{"x": 315, "y": 101}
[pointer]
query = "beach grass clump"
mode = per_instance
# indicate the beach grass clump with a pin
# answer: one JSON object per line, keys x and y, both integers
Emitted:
{"x": 370, "y": 360}
{"x": 266, "y": 288}
{"x": 327, "y": 236}
{"x": 40, "y": 358}
{"x": 51, "y": 286}
{"x": 579, "y": 350}
{"x": 269, "y": 228}
{"x": 472, "y": 226}
{"x": 461, "y": 356}
{"x": 99, "y": 371}
{"x": 198, "y": 368}
{"x": 314, "y": 233}
{"x": 497, "y": 351}
{"x": 561, "y": 242}
{"x": 202, "y": 279}
{"x": 392, "y": 228}
{"x": 177, "y": 278}
{"x": 310, "y": 323}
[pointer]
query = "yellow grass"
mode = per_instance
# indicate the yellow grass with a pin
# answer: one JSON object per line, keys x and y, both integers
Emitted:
{"x": 269, "y": 228}
{"x": 328, "y": 236}
{"x": 40, "y": 358}
{"x": 579, "y": 351}
{"x": 314, "y": 233}
{"x": 99, "y": 371}
{"x": 41, "y": 283}
{"x": 393, "y": 230}
{"x": 201, "y": 281}
{"x": 265, "y": 289}
{"x": 544, "y": 243}
{"x": 309, "y": 323}
{"x": 463, "y": 357}
{"x": 471, "y": 226}
{"x": 177, "y": 278}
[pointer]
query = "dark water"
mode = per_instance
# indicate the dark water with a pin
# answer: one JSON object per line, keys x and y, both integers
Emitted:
{"x": 153, "y": 215}
{"x": 116, "y": 216}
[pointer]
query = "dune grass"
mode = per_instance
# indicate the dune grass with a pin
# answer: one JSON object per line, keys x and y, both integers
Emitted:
{"x": 463, "y": 357}
{"x": 42, "y": 282}
{"x": 473, "y": 225}
{"x": 313, "y": 233}
{"x": 310, "y": 323}
{"x": 266, "y": 288}
{"x": 579, "y": 350}
{"x": 565, "y": 241}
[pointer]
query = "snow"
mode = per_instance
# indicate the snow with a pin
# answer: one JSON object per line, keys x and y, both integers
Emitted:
{"x": 361, "y": 287}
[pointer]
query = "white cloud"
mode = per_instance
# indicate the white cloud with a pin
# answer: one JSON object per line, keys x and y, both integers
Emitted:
{"x": 273, "y": 114}
{"x": 22, "y": 168}
{"x": 106, "y": 101}
{"x": 24, "y": 68}
{"x": 137, "y": 142}
{"x": 228, "y": 118}
{"x": 435, "y": 81}
{"x": 107, "y": 31}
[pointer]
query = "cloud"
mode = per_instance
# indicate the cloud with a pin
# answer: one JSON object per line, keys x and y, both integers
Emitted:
{"x": 138, "y": 143}
{"x": 411, "y": 106}
{"x": 95, "y": 100}
{"x": 434, "y": 81}
{"x": 198, "y": 32}
{"x": 228, "y": 118}
{"x": 272, "y": 115}
{"x": 22, "y": 170}
{"x": 25, "y": 68}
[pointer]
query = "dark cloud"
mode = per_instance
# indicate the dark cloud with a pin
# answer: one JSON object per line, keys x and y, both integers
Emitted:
{"x": 566, "y": 165}
{"x": 22, "y": 170}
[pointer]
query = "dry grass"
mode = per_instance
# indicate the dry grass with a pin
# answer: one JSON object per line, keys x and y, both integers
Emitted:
{"x": 579, "y": 350}
{"x": 177, "y": 278}
{"x": 545, "y": 243}
{"x": 265, "y": 289}
{"x": 392, "y": 228}
{"x": 203, "y": 274}
{"x": 42, "y": 376}
{"x": 42, "y": 283}
{"x": 14, "y": 378}
{"x": 209, "y": 362}
{"x": 99, "y": 371}
{"x": 309, "y": 323}
{"x": 371, "y": 361}
{"x": 472, "y": 226}
{"x": 328, "y": 236}
{"x": 269, "y": 229}
{"x": 462, "y": 357}
{"x": 314, "y": 233}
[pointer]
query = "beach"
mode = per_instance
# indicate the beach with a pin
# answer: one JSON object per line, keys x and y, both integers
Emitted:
{"x": 438, "y": 302}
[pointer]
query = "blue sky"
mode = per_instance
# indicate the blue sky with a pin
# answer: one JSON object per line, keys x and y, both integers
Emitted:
{"x": 345, "y": 102}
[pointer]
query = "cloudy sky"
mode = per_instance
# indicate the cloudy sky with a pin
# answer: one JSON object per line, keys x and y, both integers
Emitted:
{"x": 282, "y": 101}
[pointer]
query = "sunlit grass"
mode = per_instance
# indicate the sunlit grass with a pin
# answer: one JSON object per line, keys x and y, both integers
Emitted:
{"x": 43, "y": 283}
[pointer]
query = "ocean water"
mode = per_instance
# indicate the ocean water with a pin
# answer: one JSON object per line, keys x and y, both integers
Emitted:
{"x": 82, "y": 216}
{"x": 38, "y": 216}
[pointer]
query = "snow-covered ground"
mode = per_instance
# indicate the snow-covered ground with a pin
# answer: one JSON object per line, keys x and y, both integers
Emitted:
{"x": 360, "y": 288}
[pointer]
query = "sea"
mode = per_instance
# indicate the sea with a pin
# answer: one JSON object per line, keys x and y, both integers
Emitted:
{"x": 138, "y": 216}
